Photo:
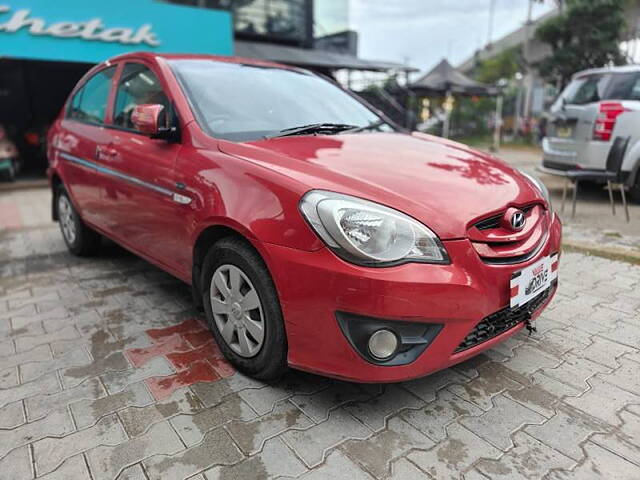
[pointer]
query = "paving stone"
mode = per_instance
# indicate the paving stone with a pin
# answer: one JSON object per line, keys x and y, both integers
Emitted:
{"x": 461, "y": 449}
{"x": 106, "y": 462}
{"x": 566, "y": 431}
{"x": 9, "y": 378}
{"x": 275, "y": 460}
{"x": 16, "y": 465}
{"x": 318, "y": 405}
{"x": 490, "y": 382}
{"x": 433, "y": 419}
{"x": 605, "y": 352}
{"x": 49, "y": 453}
{"x": 115, "y": 362}
{"x": 263, "y": 400}
{"x": 376, "y": 453}
{"x": 250, "y": 435}
{"x": 117, "y": 381}
{"x": 25, "y": 343}
{"x": 575, "y": 371}
{"x": 26, "y": 310}
{"x": 312, "y": 444}
{"x": 529, "y": 359}
{"x": 39, "y": 405}
{"x": 338, "y": 467}
{"x": 75, "y": 358}
{"x": 543, "y": 394}
{"x": 600, "y": 395}
{"x": 500, "y": 422}
{"x": 134, "y": 472}
{"x": 27, "y": 299}
{"x": 426, "y": 387}
{"x": 624, "y": 304}
{"x": 217, "y": 448}
{"x": 44, "y": 385}
{"x": 469, "y": 368}
{"x": 529, "y": 459}
{"x": 627, "y": 376}
{"x": 375, "y": 412}
{"x": 626, "y": 441}
{"x": 625, "y": 333}
{"x": 213, "y": 393}
{"x": 86, "y": 412}
{"x": 39, "y": 354}
{"x": 403, "y": 469}
{"x": 7, "y": 348}
{"x": 11, "y": 415}
{"x": 74, "y": 468}
{"x": 193, "y": 427}
{"x": 598, "y": 464}
{"x": 56, "y": 423}
{"x": 24, "y": 319}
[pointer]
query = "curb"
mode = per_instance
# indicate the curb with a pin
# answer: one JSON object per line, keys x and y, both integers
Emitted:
{"x": 610, "y": 252}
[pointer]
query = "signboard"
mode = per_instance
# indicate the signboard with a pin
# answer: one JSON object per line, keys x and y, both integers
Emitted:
{"x": 92, "y": 31}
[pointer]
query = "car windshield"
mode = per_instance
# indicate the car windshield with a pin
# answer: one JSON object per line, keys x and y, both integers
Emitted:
{"x": 246, "y": 102}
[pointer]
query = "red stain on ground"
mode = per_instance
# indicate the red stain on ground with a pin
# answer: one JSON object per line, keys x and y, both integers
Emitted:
{"x": 190, "y": 348}
{"x": 10, "y": 217}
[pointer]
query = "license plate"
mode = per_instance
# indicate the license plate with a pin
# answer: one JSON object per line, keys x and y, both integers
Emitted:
{"x": 528, "y": 283}
{"x": 564, "y": 132}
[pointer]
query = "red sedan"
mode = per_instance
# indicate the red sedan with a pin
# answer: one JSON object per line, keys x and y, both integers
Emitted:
{"x": 314, "y": 232}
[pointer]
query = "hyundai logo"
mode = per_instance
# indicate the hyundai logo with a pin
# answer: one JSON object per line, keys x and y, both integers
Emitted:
{"x": 518, "y": 220}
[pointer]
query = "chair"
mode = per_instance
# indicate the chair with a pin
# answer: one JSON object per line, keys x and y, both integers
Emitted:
{"x": 612, "y": 175}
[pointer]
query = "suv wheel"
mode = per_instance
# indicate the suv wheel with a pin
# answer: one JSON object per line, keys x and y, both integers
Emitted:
{"x": 80, "y": 239}
{"x": 243, "y": 310}
{"x": 634, "y": 191}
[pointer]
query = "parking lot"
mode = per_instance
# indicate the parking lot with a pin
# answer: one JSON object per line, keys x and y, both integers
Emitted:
{"x": 108, "y": 372}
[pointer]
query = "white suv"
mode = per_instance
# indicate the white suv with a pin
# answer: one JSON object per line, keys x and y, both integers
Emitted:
{"x": 597, "y": 106}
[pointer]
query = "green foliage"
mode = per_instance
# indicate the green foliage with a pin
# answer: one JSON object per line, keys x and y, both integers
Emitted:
{"x": 586, "y": 34}
{"x": 504, "y": 65}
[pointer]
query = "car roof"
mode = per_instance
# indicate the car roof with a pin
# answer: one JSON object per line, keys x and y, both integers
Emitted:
{"x": 151, "y": 56}
{"x": 613, "y": 69}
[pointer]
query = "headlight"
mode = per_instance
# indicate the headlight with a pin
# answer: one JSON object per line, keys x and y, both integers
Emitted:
{"x": 541, "y": 187}
{"x": 367, "y": 233}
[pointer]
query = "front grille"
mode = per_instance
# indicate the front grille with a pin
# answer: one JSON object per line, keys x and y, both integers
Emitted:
{"x": 502, "y": 320}
{"x": 494, "y": 222}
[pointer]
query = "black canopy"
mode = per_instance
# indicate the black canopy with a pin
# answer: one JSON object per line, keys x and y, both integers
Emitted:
{"x": 444, "y": 78}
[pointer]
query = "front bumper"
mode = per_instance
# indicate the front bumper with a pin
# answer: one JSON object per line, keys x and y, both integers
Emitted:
{"x": 313, "y": 286}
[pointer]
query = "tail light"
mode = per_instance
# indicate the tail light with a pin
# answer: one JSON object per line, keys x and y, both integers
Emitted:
{"x": 606, "y": 120}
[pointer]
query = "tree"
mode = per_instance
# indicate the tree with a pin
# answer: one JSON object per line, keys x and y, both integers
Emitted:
{"x": 503, "y": 65}
{"x": 586, "y": 34}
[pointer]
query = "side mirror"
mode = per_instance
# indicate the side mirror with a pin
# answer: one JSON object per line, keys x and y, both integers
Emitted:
{"x": 148, "y": 118}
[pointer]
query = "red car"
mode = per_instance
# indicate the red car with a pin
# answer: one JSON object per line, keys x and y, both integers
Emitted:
{"x": 314, "y": 232}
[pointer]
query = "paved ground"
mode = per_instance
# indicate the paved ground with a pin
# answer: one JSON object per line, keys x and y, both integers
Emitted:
{"x": 106, "y": 368}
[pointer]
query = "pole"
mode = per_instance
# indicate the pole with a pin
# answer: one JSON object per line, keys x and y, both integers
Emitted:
{"x": 528, "y": 79}
{"x": 497, "y": 124}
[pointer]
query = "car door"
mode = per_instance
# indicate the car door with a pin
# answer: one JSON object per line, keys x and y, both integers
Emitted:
{"x": 142, "y": 210}
{"x": 82, "y": 134}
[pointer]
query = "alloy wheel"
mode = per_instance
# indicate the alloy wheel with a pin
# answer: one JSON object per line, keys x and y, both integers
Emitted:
{"x": 67, "y": 220}
{"x": 237, "y": 311}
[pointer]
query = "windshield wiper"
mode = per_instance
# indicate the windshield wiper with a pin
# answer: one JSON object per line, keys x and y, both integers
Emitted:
{"x": 313, "y": 128}
{"x": 371, "y": 126}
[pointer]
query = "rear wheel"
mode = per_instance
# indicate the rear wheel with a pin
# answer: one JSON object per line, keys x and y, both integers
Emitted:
{"x": 242, "y": 309}
{"x": 80, "y": 239}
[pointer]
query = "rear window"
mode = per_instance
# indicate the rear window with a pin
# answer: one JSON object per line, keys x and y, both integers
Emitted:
{"x": 609, "y": 86}
{"x": 587, "y": 89}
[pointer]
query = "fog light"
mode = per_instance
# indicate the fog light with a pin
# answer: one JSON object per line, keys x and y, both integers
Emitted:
{"x": 383, "y": 344}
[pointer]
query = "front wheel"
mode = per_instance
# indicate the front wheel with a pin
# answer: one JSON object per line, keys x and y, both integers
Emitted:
{"x": 80, "y": 239}
{"x": 634, "y": 191}
{"x": 243, "y": 310}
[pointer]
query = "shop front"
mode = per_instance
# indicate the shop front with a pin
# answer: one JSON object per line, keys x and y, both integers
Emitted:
{"x": 45, "y": 47}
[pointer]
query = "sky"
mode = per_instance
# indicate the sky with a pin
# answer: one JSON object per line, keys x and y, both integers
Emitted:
{"x": 422, "y": 32}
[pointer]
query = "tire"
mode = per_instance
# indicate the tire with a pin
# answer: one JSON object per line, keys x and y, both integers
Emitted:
{"x": 80, "y": 239}
{"x": 634, "y": 191}
{"x": 232, "y": 258}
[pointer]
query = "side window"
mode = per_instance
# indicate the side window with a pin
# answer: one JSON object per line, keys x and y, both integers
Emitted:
{"x": 89, "y": 104}
{"x": 138, "y": 85}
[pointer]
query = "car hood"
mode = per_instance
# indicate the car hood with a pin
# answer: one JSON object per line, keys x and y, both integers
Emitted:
{"x": 444, "y": 184}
